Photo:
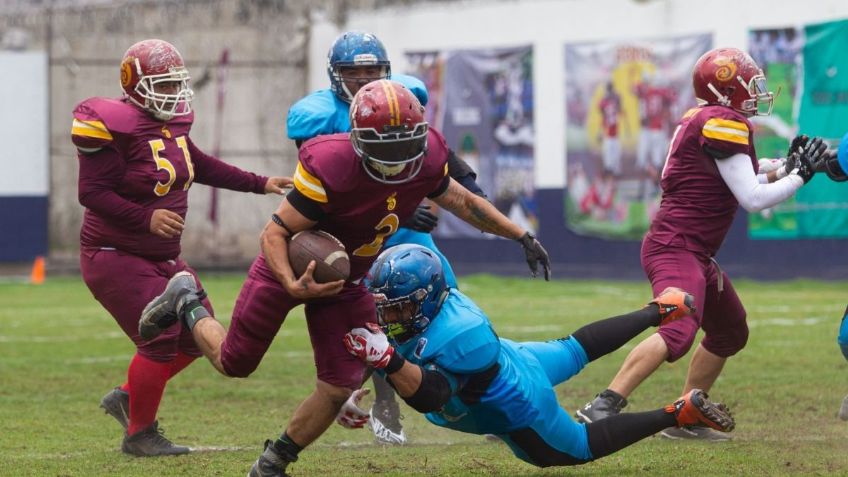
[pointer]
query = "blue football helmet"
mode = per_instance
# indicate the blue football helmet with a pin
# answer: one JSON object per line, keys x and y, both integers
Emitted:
{"x": 407, "y": 282}
{"x": 352, "y": 49}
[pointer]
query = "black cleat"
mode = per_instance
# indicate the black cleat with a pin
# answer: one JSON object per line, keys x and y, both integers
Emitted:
{"x": 269, "y": 464}
{"x": 117, "y": 404}
{"x": 605, "y": 404}
{"x": 151, "y": 442}
{"x": 164, "y": 310}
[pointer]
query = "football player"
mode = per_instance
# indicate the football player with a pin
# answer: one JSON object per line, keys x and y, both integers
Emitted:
{"x": 355, "y": 59}
{"x": 438, "y": 349}
{"x": 359, "y": 187}
{"x": 710, "y": 170}
{"x": 136, "y": 164}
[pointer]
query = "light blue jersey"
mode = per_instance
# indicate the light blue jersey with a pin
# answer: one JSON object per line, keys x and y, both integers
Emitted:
{"x": 499, "y": 386}
{"x": 322, "y": 112}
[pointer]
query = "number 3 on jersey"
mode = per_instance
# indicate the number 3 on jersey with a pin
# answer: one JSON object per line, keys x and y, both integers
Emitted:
{"x": 158, "y": 145}
{"x": 386, "y": 227}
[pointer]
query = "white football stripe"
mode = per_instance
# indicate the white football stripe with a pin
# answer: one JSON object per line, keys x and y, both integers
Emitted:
{"x": 331, "y": 258}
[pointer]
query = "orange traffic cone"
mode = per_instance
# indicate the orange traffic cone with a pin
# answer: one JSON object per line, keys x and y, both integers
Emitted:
{"x": 36, "y": 277}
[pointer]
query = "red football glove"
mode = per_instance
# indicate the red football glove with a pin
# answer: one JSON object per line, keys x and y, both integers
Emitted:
{"x": 370, "y": 345}
{"x": 351, "y": 415}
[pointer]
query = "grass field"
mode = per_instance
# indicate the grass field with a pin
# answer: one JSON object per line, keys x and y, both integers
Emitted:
{"x": 60, "y": 353}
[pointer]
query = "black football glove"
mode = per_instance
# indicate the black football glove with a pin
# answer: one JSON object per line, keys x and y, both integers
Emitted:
{"x": 831, "y": 166}
{"x": 422, "y": 220}
{"x": 807, "y": 159}
{"x": 535, "y": 254}
{"x": 798, "y": 142}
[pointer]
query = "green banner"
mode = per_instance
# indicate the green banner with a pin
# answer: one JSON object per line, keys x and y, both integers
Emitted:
{"x": 818, "y": 97}
{"x": 823, "y": 204}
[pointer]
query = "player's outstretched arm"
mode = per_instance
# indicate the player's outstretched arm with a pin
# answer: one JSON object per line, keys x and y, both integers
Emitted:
{"x": 284, "y": 223}
{"x": 480, "y": 213}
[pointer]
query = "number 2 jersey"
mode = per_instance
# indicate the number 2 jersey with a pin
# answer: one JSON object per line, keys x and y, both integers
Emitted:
{"x": 334, "y": 189}
{"x": 697, "y": 207}
{"x": 132, "y": 164}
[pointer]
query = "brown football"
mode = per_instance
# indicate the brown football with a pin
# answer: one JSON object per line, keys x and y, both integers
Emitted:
{"x": 331, "y": 260}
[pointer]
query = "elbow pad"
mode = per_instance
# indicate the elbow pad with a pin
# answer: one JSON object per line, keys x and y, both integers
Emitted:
{"x": 433, "y": 393}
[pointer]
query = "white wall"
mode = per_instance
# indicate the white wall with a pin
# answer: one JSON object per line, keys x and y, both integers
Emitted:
{"x": 23, "y": 127}
{"x": 548, "y": 25}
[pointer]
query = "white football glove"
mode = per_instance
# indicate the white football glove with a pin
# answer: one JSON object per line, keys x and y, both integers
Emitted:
{"x": 370, "y": 345}
{"x": 351, "y": 415}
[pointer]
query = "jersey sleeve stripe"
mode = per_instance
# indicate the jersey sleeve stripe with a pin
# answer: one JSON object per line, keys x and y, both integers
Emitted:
{"x": 726, "y": 130}
{"x": 309, "y": 185}
{"x": 95, "y": 129}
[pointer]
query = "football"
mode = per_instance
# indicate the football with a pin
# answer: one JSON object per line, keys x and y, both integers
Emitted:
{"x": 331, "y": 260}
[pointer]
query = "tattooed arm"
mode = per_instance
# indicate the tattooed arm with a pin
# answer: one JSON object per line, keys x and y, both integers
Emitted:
{"x": 477, "y": 211}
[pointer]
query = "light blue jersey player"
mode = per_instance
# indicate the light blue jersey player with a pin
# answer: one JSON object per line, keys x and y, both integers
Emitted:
{"x": 354, "y": 60}
{"x": 440, "y": 352}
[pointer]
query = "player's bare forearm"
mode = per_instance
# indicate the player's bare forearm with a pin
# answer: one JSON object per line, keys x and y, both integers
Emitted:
{"x": 407, "y": 379}
{"x": 274, "y": 241}
{"x": 477, "y": 211}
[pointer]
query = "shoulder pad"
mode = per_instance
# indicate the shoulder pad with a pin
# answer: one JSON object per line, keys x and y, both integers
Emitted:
{"x": 725, "y": 130}
{"x": 316, "y": 114}
{"x": 461, "y": 339}
{"x": 323, "y": 165}
{"x": 418, "y": 88}
{"x": 98, "y": 120}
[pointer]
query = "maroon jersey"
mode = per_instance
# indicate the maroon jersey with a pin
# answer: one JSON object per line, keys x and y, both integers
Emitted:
{"x": 360, "y": 211}
{"x": 610, "y": 107}
{"x": 697, "y": 207}
{"x": 132, "y": 164}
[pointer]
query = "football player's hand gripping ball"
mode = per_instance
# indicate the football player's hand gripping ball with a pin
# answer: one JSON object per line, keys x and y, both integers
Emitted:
{"x": 370, "y": 345}
{"x": 351, "y": 415}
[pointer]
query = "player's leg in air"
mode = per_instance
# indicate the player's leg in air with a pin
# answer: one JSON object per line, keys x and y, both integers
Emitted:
{"x": 556, "y": 439}
{"x": 843, "y": 345}
{"x": 135, "y": 403}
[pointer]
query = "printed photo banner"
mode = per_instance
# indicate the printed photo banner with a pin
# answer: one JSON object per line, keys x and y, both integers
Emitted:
{"x": 482, "y": 101}
{"x": 809, "y": 69}
{"x": 622, "y": 102}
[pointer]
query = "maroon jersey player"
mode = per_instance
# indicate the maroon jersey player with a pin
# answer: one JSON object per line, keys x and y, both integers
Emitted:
{"x": 710, "y": 170}
{"x": 137, "y": 163}
{"x": 359, "y": 187}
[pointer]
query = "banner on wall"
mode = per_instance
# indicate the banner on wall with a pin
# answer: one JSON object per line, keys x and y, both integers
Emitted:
{"x": 808, "y": 67}
{"x": 482, "y": 101}
{"x": 622, "y": 100}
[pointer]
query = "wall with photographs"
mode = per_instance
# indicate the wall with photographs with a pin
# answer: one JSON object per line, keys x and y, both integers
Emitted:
{"x": 550, "y": 28}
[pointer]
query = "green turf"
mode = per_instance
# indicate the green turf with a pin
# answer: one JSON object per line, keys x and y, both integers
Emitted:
{"x": 60, "y": 353}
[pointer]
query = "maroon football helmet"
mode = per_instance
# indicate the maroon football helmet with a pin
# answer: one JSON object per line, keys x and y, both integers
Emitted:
{"x": 730, "y": 77}
{"x": 155, "y": 78}
{"x": 388, "y": 131}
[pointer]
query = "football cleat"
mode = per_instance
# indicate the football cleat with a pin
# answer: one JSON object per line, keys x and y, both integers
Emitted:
{"x": 695, "y": 409}
{"x": 269, "y": 464}
{"x": 695, "y": 433}
{"x": 385, "y": 423}
{"x": 164, "y": 310}
{"x": 117, "y": 404}
{"x": 606, "y": 404}
{"x": 151, "y": 442}
{"x": 674, "y": 304}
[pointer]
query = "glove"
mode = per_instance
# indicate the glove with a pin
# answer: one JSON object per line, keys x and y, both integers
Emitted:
{"x": 798, "y": 142}
{"x": 370, "y": 345}
{"x": 351, "y": 415}
{"x": 422, "y": 220}
{"x": 807, "y": 158}
{"x": 534, "y": 252}
{"x": 831, "y": 166}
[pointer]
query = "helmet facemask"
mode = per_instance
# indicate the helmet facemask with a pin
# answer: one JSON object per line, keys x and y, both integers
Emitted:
{"x": 165, "y": 106}
{"x": 401, "y": 318}
{"x": 394, "y": 156}
{"x": 339, "y": 80}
